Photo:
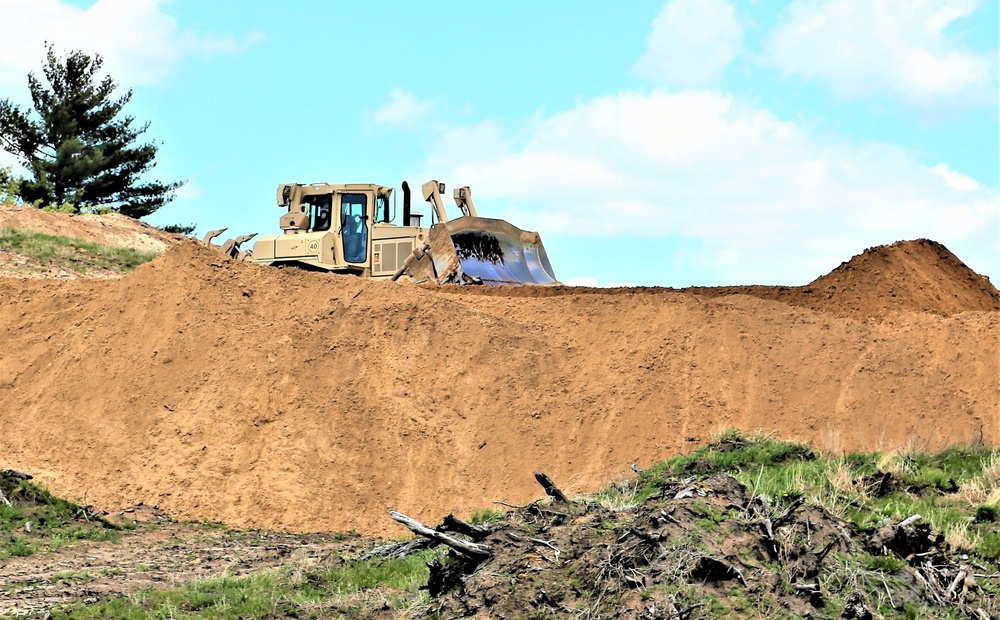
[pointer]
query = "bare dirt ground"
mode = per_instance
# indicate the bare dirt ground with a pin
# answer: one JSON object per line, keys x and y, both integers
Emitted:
{"x": 322, "y": 401}
{"x": 170, "y": 555}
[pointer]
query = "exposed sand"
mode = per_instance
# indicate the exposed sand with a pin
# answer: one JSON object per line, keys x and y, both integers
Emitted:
{"x": 285, "y": 399}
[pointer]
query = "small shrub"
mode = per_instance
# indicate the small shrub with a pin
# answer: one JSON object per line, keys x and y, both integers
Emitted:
{"x": 179, "y": 229}
{"x": 19, "y": 548}
{"x": 986, "y": 513}
{"x": 988, "y": 546}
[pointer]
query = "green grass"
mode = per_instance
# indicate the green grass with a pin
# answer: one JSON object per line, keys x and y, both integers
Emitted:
{"x": 55, "y": 522}
{"x": 486, "y": 516}
{"x": 731, "y": 453}
{"x": 281, "y": 593}
{"x": 70, "y": 253}
{"x": 948, "y": 489}
{"x": 956, "y": 490}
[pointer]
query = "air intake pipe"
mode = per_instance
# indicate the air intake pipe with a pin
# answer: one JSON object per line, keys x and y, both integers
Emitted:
{"x": 406, "y": 203}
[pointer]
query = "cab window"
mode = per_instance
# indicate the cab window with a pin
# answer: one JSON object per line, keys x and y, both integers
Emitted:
{"x": 320, "y": 210}
{"x": 354, "y": 226}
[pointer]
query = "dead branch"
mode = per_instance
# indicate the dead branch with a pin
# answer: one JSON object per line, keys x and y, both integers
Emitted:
{"x": 888, "y": 593}
{"x": 778, "y": 522}
{"x": 471, "y": 550}
{"x": 666, "y": 517}
{"x": 547, "y": 543}
{"x": 499, "y": 503}
{"x": 684, "y": 615}
{"x": 927, "y": 584}
{"x": 959, "y": 578}
{"x": 654, "y": 537}
{"x": 400, "y": 550}
{"x": 451, "y": 523}
{"x": 908, "y": 520}
{"x": 550, "y": 488}
{"x": 822, "y": 553}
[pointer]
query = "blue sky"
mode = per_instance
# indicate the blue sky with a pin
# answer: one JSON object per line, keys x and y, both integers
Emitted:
{"x": 656, "y": 143}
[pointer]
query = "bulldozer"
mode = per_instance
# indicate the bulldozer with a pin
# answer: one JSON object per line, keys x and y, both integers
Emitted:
{"x": 348, "y": 228}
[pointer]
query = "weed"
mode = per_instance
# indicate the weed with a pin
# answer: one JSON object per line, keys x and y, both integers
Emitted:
{"x": 882, "y": 563}
{"x": 70, "y": 576}
{"x": 486, "y": 516}
{"x": 17, "y": 547}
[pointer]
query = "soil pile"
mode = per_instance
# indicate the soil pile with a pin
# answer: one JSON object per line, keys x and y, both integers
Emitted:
{"x": 907, "y": 276}
{"x": 920, "y": 275}
{"x": 112, "y": 229}
{"x": 309, "y": 401}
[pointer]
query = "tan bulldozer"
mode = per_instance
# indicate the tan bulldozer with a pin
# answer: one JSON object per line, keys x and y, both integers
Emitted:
{"x": 348, "y": 228}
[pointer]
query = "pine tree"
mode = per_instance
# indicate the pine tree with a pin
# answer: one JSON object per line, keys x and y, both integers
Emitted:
{"x": 81, "y": 150}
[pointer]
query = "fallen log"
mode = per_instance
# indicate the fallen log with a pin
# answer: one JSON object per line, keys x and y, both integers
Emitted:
{"x": 399, "y": 550}
{"x": 474, "y": 551}
{"x": 451, "y": 523}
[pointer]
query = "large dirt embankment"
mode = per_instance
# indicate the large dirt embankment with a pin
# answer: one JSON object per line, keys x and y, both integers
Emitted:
{"x": 281, "y": 398}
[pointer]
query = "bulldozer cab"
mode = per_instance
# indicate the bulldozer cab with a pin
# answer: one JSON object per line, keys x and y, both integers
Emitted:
{"x": 338, "y": 227}
{"x": 349, "y": 228}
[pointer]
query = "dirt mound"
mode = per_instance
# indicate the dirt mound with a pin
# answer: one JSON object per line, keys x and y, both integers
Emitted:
{"x": 112, "y": 229}
{"x": 920, "y": 275}
{"x": 907, "y": 276}
{"x": 310, "y": 401}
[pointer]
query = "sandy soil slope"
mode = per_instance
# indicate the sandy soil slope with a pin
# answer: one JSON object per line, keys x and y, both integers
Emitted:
{"x": 110, "y": 229}
{"x": 305, "y": 401}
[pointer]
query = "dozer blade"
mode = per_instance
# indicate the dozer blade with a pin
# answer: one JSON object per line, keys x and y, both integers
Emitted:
{"x": 490, "y": 251}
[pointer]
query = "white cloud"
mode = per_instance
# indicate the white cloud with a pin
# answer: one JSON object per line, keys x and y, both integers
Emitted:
{"x": 191, "y": 190}
{"x": 763, "y": 200}
{"x": 592, "y": 282}
{"x": 141, "y": 43}
{"x": 874, "y": 47}
{"x": 956, "y": 180}
{"x": 692, "y": 42}
{"x": 402, "y": 110}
